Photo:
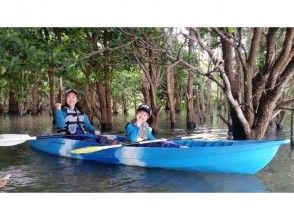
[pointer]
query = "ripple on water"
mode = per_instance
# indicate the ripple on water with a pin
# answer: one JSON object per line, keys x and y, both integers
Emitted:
{"x": 34, "y": 171}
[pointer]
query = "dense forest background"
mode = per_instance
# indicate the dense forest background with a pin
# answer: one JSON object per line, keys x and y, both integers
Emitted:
{"x": 243, "y": 74}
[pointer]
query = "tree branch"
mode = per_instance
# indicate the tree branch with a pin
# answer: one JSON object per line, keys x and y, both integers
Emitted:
{"x": 224, "y": 36}
{"x": 270, "y": 48}
{"x": 285, "y": 104}
{"x": 225, "y": 121}
{"x": 285, "y": 55}
{"x": 196, "y": 70}
{"x": 260, "y": 79}
{"x": 228, "y": 91}
{"x": 241, "y": 58}
{"x": 285, "y": 76}
{"x": 254, "y": 47}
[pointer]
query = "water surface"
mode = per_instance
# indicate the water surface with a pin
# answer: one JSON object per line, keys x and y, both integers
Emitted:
{"x": 39, "y": 172}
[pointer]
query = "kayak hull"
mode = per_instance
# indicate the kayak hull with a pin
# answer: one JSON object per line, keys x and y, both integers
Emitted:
{"x": 243, "y": 157}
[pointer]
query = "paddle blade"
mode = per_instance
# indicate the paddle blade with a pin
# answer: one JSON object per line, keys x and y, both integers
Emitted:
{"x": 91, "y": 149}
{"x": 14, "y": 139}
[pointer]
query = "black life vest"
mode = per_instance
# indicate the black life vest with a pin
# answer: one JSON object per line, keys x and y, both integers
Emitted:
{"x": 74, "y": 121}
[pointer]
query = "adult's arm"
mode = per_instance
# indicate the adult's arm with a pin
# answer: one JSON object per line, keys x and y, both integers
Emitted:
{"x": 59, "y": 117}
{"x": 89, "y": 127}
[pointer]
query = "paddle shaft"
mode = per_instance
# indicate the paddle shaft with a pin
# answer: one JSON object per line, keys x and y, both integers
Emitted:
{"x": 91, "y": 149}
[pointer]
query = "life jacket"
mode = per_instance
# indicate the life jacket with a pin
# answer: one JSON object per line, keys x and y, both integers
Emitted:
{"x": 143, "y": 130}
{"x": 74, "y": 121}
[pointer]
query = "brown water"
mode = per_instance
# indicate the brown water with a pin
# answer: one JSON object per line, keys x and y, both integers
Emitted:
{"x": 39, "y": 172}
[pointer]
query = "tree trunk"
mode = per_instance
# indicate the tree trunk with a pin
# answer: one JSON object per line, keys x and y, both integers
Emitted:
{"x": 1, "y": 108}
{"x": 124, "y": 106}
{"x": 103, "y": 84}
{"x": 150, "y": 76}
{"x": 61, "y": 90}
{"x": 264, "y": 82}
{"x": 35, "y": 94}
{"x": 155, "y": 111}
{"x": 178, "y": 95}
{"x": 114, "y": 107}
{"x": 13, "y": 108}
{"x": 51, "y": 91}
{"x": 103, "y": 109}
{"x": 88, "y": 105}
{"x": 170, "y": 81}
{"x": 237, "y": 127}
{"x": 22, "y": 103}
{"x": 107, "y": 80}
{"x": 91, "y": 103}
{"x": 170, "y": 95}
{"x": 280, "y": 118}
{"x": 190, "y": 108}
{"x": 209, "y": 101}
{"x": 200, "y": 107}
{"x": 239, "y": 78}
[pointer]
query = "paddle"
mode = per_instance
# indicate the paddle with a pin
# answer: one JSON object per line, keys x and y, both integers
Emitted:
{"x": 15, "y": 139}
{"x": 91, "y": 149}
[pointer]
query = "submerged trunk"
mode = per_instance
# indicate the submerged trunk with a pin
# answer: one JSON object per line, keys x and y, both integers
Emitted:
{"x": 190, "y": 107}
{"x": 106, "y": 38}
{"x": 103, "y": 109}
{"x": 13, "y": 103}
{"x": 51, "y": 91}
{"x": 200, "y": 107}
{"x": 151, "y": 76}
{"x": 155, "y": 111}
{"x": 209, "y": 101}
{"x": 124, "y": 106}
{"x": 91, "y": 102}
{"x": 170, "y": 95}
{"x": 35, "y": 94}
{"x": 280, "y": 118}
{"x": 170, "y": 80}
{"x": 237, "y": 127}
{"x": 114, "y": 107}
{"x": 178, "y": 96}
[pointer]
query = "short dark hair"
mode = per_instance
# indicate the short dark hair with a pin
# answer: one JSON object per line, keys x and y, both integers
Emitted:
{"x": 145, "y": 108}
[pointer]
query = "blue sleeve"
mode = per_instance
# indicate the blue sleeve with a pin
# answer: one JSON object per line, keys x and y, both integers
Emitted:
{"x": 88, "y": 125}
{"x": 131, "y": 133}
{"x": 59, "y": 117}
{"x": 150, "y": 135}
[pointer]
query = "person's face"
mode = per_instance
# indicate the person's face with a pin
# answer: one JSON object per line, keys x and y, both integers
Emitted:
{"x": 71, "y": 99}
{"x": 142, "y": 117}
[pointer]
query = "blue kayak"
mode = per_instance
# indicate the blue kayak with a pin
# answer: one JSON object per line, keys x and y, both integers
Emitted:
{"x": 210, "y": 156}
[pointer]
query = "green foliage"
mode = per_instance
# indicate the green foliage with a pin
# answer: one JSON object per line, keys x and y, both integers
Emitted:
{"x": 78, "y": 56}
{"x": 127, "y": 84}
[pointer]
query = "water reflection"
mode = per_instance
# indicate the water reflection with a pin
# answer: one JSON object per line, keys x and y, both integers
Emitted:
{"x": 39, "y": 172}
{"x": 44, "y": 173}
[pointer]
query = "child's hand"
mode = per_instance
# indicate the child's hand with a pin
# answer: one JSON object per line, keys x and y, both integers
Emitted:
{"x": 140, "y": 139}
{"x": 97, "y": 132}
